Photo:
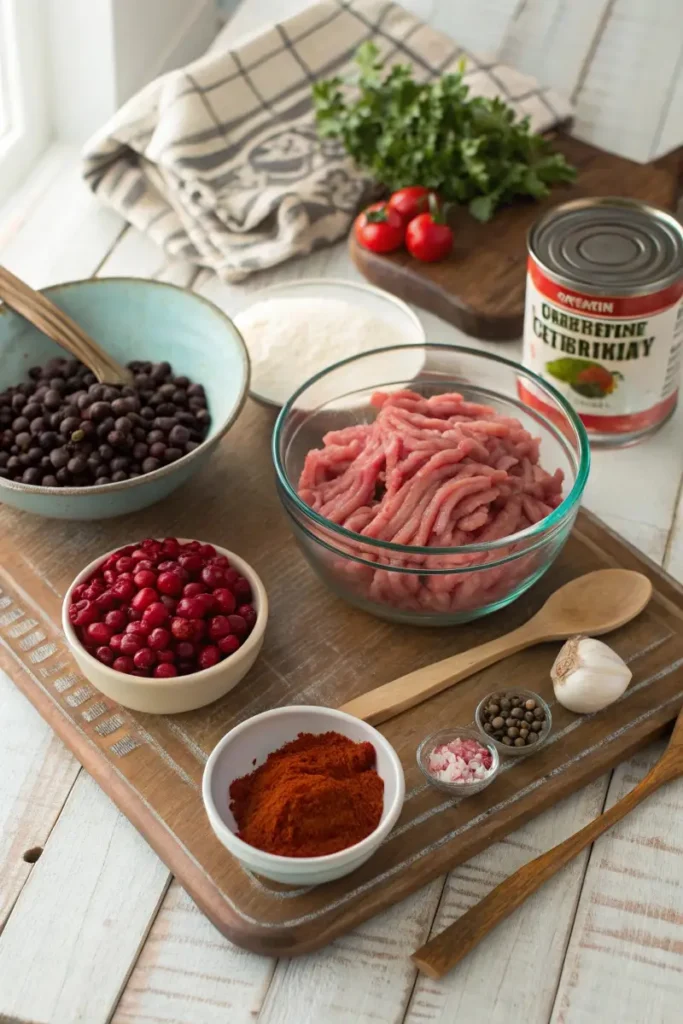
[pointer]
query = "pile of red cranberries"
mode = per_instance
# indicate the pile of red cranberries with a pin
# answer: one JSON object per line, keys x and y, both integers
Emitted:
{"x": 163, "y": 608}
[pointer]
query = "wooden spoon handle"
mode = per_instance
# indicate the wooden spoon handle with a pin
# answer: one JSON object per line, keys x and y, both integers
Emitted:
{"x": 405, "y": 692}
{"x": 56, "y": 324}
{"x": 443, "y": 952}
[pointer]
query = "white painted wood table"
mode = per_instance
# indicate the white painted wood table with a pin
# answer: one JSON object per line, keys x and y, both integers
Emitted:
{"x": 95, "y": 929}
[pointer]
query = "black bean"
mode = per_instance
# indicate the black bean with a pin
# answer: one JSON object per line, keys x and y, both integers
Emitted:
{"x": 120, "y": 462}
{"x": 100, "y": 411}
{"x": 172, "y": 454}
{"x": 179, "y": 436}
{"x": 106, "y": 451}
{"x": 202, "y": 417}
{"x": 123, "y": 425}
{"x": 105, "y": 427}
{"x": 196, "y": 404}
{"x": 186, "y": 418}
{"x": 49, "y": 481}
{"x": 161, "y": 370}
{"x": 20, "y": 424}
{"x": 84, "y": 401}
{"x": 13, "y": 463}
{"x": 140, "y": 434}
{"x": 166, "y": 409}
{"x": 179, "y": 398}
{"x": 18, "y": 401}
{"x": 32, "y": 410}
{"x": 96, "y": 391}
{"x": 23, "y": 440}
{"x": 32, "y": 475}
{"x": 150, "y": 464}
{"x": 157, "y": 450}
{"x": 27, "y": 389}
{"x": 34, "y": 455}
{"x": 77, "y": 464}
{"x": 4, "y": 459}
{"x": 59, "y": 457}
{"x": 191, "y": 445}
{"x": 140, "y": 451}
{"x": 116, "y": 439}
{"x": 119, "y": 407}
{"x": 118, "y": 476}
{"x": 94, "y": 462}
{"x": 101, "y": 471}
{"x": 195, "y": 390}
{"x": 142, "y": 381}
{"x": 165, "y": 423}
{"x": 68, "y": 425}
{"x": 147, "y": 413}
{"x": 89, "y": 378}
{"x": 155, "y": 435}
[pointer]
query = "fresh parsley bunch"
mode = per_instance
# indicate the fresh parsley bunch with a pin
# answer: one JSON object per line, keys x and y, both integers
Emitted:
{"x": 472, "y": 150}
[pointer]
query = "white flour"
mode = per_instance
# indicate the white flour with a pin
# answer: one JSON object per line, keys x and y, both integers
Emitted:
{"x": 291, "y": 339}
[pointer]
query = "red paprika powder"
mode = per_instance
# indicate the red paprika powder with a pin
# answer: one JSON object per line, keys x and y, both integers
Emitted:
{"x": 314, "y": 796}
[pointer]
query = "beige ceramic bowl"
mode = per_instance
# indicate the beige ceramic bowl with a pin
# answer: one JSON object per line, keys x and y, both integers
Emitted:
{"x": 249, "y": 744}
{"x": 180, "y": 693}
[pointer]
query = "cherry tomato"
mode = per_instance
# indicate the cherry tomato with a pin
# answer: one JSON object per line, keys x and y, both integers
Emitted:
{"x": 408, "y": 202}
{"x": 379, "y": 228}
{"x": 428, "y": 237}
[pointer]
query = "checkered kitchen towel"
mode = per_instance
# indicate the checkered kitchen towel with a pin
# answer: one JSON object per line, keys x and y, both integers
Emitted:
{"x": 220, "y": 162}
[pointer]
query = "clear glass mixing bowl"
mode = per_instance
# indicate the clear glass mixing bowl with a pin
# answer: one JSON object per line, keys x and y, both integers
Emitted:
{"x": 427, "y": 585}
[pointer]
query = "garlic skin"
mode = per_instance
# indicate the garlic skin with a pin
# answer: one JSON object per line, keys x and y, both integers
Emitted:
{"x": 588, "y": 675}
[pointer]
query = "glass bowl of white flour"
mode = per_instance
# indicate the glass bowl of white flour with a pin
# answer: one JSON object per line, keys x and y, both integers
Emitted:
{"x": 293, "y": 331}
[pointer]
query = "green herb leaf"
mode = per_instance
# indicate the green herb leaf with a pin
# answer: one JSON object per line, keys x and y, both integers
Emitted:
{"x": 472, "y": 150}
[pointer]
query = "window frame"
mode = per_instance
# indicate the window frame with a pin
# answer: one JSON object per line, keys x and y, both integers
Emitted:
{"x": 24, "y": 79}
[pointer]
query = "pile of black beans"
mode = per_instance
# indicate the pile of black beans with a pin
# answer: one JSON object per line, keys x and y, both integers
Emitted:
{"x": 61, "y": 428}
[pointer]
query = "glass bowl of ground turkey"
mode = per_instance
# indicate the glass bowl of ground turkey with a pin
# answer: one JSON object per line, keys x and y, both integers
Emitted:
{"x": 331, "y": 778}
{"x": 430, "y": 497}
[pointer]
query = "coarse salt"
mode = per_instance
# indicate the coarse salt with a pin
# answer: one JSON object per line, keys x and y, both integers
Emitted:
{"x": 460, "y": 761}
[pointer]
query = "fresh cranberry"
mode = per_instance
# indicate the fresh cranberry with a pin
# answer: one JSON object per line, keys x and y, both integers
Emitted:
{"x": 192, "y": 589}
{"x": 144, "y": 598}
{"x": 78, "y": 592}
{"x": 155, "y": 614}
{"x": 99, "y": 633}
{"x": 105, "y": 655}
{"x": 115, "y": 641}
{"x": 138, "y": 555}
{"x": 170, "y": 583}
{"x": 193, "y": 545}
{"x": 248, "y": 613}
{"x": 182, "y": 629}
{"x": 139, "y": 628}
{"x": 94, "y": 589}
{"x": 106, "y": 601}
{"x": 186, "y": 668}
{"x": 145, "y": 578}
{"x": 225, "y": 600}
{"x": 192, "y": 563}
{"x": 221, "y": 561}
{"x": 231, "y": 577}
{"x": 166, "y": 655}
{"x": 142, "y": 672}
{"x": 170, "y": 546}
{"x": 124, "y": 664}
{"x": 144, "y": 564}
{"x": 131, "y": 642}
{"x": 213, "y": 576}
{"x": 85, "y": 613}
{"x": 229, "y": 644}
{"x": 158, "y": 639}
{"x": 144, "y": 658}
{"x": 134, "y": 614}
{"x": 207, "y": 551}
{"x": 124, "y": 589}
{"x": 110, "y": 576}
{"x": 192, "y": 607}
{"x": 237, "y": 625}
{"x": 165, "y": 671}
{"x": 208, "y": 656}
{"x": 110, "y": 562}
{"x": 219, "y": 626}
{"x": 116, "y": 620}
{"x": 169, "y": 603}
{"x": 242, "y": 590}
{"x": 184, "y": 650}
{"x": 125, "y": 564}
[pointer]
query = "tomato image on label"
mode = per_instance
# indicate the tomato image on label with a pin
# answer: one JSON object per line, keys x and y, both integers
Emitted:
{"x": 592, "y": 380}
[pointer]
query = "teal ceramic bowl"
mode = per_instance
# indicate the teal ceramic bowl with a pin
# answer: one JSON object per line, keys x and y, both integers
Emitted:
{"x": 132, "y": 319}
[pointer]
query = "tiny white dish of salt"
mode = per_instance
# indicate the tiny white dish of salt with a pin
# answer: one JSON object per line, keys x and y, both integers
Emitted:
{"x": 293, "y": 331}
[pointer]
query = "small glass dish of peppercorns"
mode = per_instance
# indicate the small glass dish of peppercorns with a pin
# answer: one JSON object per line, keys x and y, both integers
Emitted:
{"x": 517, "y": 722}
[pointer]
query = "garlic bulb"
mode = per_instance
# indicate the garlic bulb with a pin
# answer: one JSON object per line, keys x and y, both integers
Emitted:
{"x": 588, "y": 675}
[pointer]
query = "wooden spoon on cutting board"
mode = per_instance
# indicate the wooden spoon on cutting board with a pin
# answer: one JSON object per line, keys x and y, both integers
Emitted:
{"x": 56, "y": 324}
{"x": 595, "y": 603}
{"x": 444, "y": 951}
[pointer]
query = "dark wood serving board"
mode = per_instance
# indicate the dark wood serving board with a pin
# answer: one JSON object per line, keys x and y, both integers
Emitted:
{"x": 480, "y": 287}
{"x": 318, "y": 650}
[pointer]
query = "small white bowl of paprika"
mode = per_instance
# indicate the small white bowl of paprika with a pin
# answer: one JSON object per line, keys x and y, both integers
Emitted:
{"x": 230, "y": 788}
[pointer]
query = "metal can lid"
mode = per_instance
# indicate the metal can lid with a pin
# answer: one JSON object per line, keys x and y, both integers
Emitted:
{"x": 609, "y": 246}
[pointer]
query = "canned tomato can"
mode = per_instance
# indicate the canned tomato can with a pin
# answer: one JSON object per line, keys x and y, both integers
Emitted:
{"x": 603, "y": 318}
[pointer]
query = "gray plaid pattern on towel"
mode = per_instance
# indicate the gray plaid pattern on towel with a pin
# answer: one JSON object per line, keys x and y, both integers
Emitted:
{"x": 220, "y": 162}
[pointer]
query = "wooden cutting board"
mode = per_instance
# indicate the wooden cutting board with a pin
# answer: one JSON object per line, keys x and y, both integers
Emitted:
{"x": 320, "y": 651}
{"x": 480, "y": 287}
